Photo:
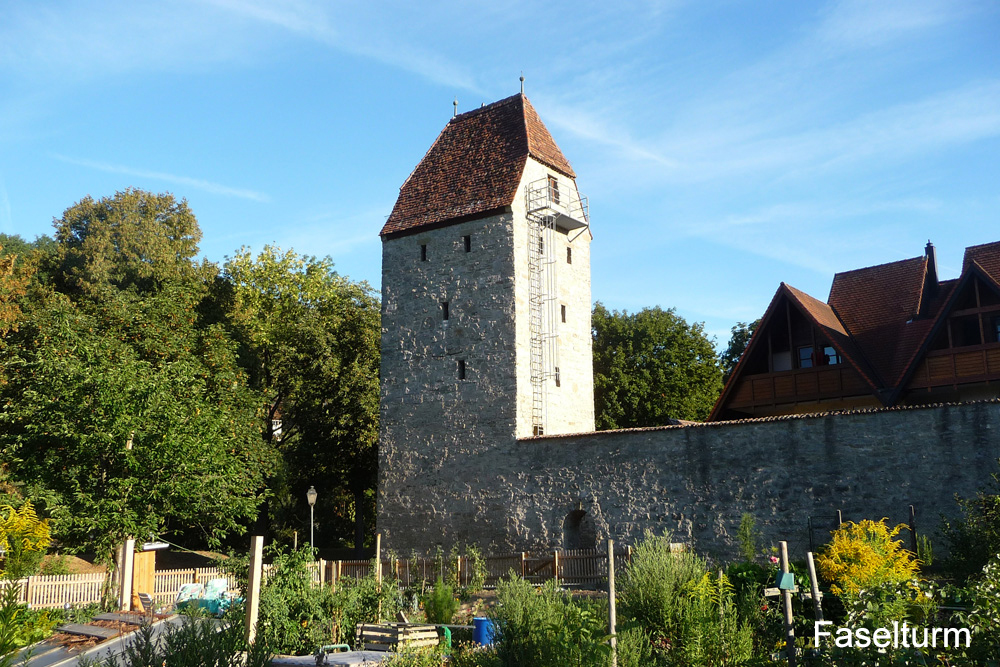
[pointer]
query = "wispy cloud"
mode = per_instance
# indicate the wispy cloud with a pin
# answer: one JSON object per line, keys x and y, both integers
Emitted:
{"x": 370, "y": 40}
{"x": 199, "y": 184}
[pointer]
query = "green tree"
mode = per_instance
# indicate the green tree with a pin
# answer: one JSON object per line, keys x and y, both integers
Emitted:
{"x": 650, "y": 367}
{"x": 310, "y": 340}
{"x": 122, "y": 402}
{"x": 741, "y": 335}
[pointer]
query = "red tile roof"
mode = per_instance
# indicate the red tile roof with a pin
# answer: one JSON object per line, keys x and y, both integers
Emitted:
{"x": 475, "y": 166}
{"x": 987, "y": 256}
{"x": 875, "y": 304}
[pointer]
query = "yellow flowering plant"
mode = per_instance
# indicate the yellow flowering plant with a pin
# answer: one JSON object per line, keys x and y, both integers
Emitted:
{"x": 864, "y": 555}
{"x": 21, "y": 533}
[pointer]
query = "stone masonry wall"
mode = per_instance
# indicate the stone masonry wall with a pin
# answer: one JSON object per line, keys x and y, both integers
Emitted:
{"x": 696, "y": 481}
{"x": 430, "y": 419}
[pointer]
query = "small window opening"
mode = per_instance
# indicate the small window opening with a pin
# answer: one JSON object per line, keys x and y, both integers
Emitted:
{"x": 467, "y": 241}
{"x": 805, "y": 356}
{"x": 569, "y": 255}
{"x": 558, "y": 378}
{"x": 538, "y": 429}
{"x": 423, "y": 253}
{"x": 562, "y": 311}
{"x": 444, "y": 310}
{"x": 461, "y": 369}
{"x": 541, "y": 245}
{"x": 554, "y": 189}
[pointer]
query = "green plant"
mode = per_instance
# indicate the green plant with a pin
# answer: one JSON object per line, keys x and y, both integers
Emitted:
{"x": 748, "y": 537}
{"x": 417, "y": 657}
{"x": 983, "y": 620}
{"x": 440, "y": 604}
{"x": 633, "y": 648}
{"x": 925, "y": 551}
{"x": 23, "y": 539}
{"x": 546, "y": 628}
{"x": 653, "y": 587}
{"x": 359, "y": 601}
{"x": 865, "y": 554}
{"x": 477, "y": 570}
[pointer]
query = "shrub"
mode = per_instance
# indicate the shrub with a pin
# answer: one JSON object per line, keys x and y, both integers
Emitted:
{"x": 546, "y": 628}
{"x": 23, "y": 538}
{"x": 653, "y": 587}
{"x": 748, "y": 536}
{"x": 359, "y": 601}
{"x": 984, "y": 617}
{"x": 864, "y": 555}
{"x": 974, "y": 538}
{"x": 440, "y": 604}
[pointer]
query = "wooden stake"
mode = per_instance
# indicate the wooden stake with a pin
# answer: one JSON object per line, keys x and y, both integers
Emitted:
{"x": 913, "y": 530}
{"x": 786, "y": 598}
{"x": 814, "y": 587}
{"x": 127, "y": 564}
{"x": 555, "y": 566}
{"x": 612, "y": 621}
{"x": 253, "y": 585}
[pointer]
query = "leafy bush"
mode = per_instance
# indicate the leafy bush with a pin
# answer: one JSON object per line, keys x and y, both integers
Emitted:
{"x": 196, "y": 642}
{"x": 545, "y": 628}
{"x": 864, "y": 555}
{"x": 653, "y": 588}
{"x": 440, "y": 604}
{"x": 359, "y": 601}
{"x": 984, "y": 617}
{"x": 23, "y": 538}
{"x": 974, "y": 538}
{"x": 748, "y": 536}
{"x": 295, "y": 617}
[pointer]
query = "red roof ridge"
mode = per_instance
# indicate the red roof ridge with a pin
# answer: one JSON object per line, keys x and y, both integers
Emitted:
{"x": 879, "y": 266}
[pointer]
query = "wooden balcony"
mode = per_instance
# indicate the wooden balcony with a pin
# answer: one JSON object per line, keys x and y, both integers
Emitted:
{"x": 975, "y": 363}
{"x": 804, "y": 384}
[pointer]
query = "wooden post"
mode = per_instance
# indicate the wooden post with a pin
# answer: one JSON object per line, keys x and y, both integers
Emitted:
{"x": 786, "y": 598}
{"x": 840, "y": 518}
{"x": 555, "y": 566}
{"x": 458, "y": 571}
{"x": 612, "y": 620}
{"x": 295, "y": 540}
{"x": 322, "y": 572}
{"x": 628, "y": 553}
{"x": 524, "y": 565}
{"x": 378, "y": 559}
{"x": 126, "y": 564}
{"x": 720, "y": 597}
{"x": 913, "y": 530}
{"x": 814, "y": 587}
{"x": 253, "y": 585}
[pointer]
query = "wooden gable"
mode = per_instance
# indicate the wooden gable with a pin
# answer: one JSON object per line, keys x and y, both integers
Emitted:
{"x": 799, "y": 360}
{"x": 963, "y": 347}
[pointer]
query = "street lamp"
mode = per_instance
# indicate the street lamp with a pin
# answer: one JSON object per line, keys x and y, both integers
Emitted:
{"x": 311, "y": 497}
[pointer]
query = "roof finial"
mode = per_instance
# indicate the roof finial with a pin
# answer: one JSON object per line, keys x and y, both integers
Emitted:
{"x": 456, "y": 107}
{"x": 522, "y": 82}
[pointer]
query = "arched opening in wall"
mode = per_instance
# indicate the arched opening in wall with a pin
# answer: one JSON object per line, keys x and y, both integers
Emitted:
{"x": 578, "y": 531}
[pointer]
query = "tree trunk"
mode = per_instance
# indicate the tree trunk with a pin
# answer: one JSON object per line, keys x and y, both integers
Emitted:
{"x": 359, "y": 520}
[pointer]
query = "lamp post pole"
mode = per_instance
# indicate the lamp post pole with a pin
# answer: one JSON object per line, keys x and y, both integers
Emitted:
{"x": 311, "y": 497}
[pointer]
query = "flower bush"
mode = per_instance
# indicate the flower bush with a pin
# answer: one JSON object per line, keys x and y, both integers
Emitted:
{"x": 864, "y": 555}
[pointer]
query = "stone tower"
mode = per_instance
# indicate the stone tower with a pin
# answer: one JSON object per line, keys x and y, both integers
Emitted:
{"x": 485, "y": 324}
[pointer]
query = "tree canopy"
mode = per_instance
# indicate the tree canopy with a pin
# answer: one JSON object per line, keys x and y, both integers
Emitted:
{"x": 310, "y": 341}
{"x": 650, "y": 367}
{"x": 741, "y": 335}
{"x": 124, "y": 408}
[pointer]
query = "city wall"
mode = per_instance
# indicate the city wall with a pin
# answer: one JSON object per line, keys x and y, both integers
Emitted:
{"x": 697, "y": 481}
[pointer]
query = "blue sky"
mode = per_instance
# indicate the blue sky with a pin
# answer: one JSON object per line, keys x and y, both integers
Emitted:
{"x": 725, "y": 146}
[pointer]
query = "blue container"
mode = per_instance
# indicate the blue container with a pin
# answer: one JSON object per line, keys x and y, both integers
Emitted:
{"x": 482, "y": 631}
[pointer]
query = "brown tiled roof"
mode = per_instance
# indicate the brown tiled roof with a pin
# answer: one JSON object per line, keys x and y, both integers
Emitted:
{"x": 475, "y": 166}
{"x": 875, "y": 304}
{"x": 823, "y": 317}
{"x": 987, "y": 256}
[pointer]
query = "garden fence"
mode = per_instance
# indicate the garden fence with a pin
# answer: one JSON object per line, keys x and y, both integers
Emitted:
{"x": 584, "y": 567}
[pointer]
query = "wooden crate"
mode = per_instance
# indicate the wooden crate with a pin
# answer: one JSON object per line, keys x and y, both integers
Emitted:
{"x": 392, "y": 636}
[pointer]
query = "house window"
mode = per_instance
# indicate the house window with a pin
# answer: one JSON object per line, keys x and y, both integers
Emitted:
{"x": 995, "y": 329}
{"x": 805, "y": 356}
{"x": 541, "y": 245}
{"x": 553, "y": 189}
{"x": 569, "y": 255}
{"x": 558, "y": 378}
{"x": 562, "y": 311}
{"x": 830, "y": 355}
{"x": 423, "y": 253}
{"x": 461, "y": 369}
{"x": 537, "y": 429}
{"x": 467, "y": 242}
{"x": 444, "y": 311}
